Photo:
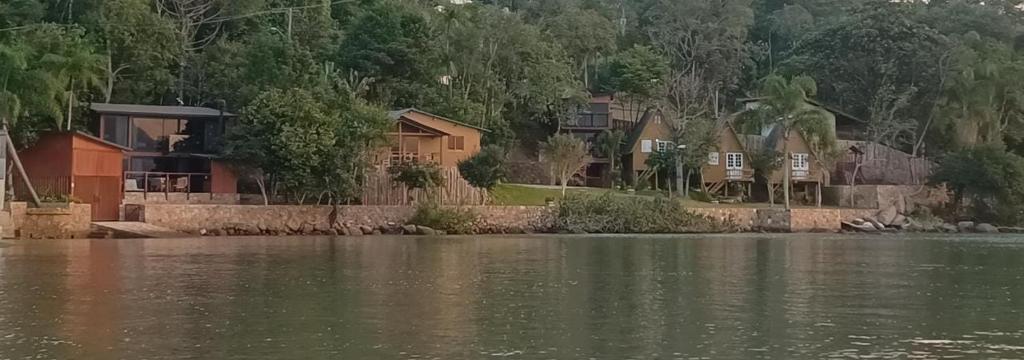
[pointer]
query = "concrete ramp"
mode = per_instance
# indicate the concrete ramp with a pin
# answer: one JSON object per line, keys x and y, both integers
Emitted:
{"x": 131, "y": 229}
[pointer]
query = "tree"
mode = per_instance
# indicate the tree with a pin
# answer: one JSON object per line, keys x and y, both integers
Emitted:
{"x": 609, "y": 144}
{"x": 485, "y": 169}
{"x": 197, "y": 25}
{"x": 282, "y": 138}
{"x": 663, "y": 162}
{"x": 415, "y": 175}
{"x": 639, "y": 73}
{"x": 991, "y": 179}
{"x": 784, "y": 107}
{"x": 566, "y": 155}
{"x": 695, "y": 141}
{"x": 766, "y": 161}
{"x": 585, "y": 34}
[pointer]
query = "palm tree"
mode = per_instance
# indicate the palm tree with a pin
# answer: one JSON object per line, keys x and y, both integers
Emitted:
{"x": 77, "y": 66}
{"x": 785, "y": 107}
{"x": 24, "y": 88}
{"x": 609, "y": 143}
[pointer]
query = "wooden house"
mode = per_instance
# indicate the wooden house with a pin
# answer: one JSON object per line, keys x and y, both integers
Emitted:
{"x": 78, "y": 166}
{"x": 729, "y": 164}
{"x": 652, "y": 134}
{"x": 424, "y": 137}
{"x": 806, "y": 171}
{"x": 604, "y": 112}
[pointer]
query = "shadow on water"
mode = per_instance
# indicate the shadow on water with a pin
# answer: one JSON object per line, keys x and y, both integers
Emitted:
{"x": 521, "y": 297}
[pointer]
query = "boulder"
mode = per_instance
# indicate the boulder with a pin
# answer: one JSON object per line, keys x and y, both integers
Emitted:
{"x": 409, "y": 229}
{"x": 887, "y": 215}
{"x": 355, "y": 230}
{"x": 965, "y": 226}
{"x": 367, "y": 230}
{"x": 322, "y": 227}
{"x": 986, "y": 228}
{"x": 423, "y": 230}
{"x": 900, "y": 221}
{"x": 342, "y": 231}
{"x": 376, "y": 232}
{"x": 865, "y": 227}
{"x": 306, "y": 228}
{"x": 858, "y": 221}
{"x": 877, "y": 224}
{"x": 332, "y": 232}
{"x": 948, "y": 228}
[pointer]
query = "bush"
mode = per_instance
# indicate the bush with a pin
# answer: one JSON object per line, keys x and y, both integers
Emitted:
{"x": 485, "y": 169}
{"x": 448, "y": 219}
{"x": 985, "y": 180}
{"x": 417, "y": 175}
{"x": 701, "y": 196}
{"x": 616, "y": 214}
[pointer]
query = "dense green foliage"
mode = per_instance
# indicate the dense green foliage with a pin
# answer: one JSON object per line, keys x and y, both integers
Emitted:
{"x": 985, "y": 180}
{"x": 930, "y": 77}
{"x": 485, "y": 169}
{"x": 452, "y": 220}
{"x": 611, "y": 214}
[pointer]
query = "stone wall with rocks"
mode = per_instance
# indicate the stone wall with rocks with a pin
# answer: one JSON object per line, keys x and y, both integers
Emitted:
{"x": 351, "y": 220}
{"x": 905, "y": 197}
{"x": 69, "y": 222}
{"x": 180, "y": 198}
{"x": 745, "y": 219}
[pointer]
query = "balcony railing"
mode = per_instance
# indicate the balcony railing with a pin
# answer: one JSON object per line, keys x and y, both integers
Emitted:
{"x": 164, "y": 182}
{"x": 738, "y": 174}
{"x": 589, "y": 120}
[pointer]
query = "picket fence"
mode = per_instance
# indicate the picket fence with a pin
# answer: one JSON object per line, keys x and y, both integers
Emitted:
{"x": 381, "y": 189}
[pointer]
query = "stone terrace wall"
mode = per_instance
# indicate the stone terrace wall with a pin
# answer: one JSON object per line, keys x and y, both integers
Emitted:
{"x": 745, "y": 219}
{"x": 57, "y": 223}
{"x": 307, "y": 219}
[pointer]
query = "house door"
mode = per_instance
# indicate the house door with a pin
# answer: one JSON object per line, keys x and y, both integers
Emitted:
{"x": 103, "y": 193}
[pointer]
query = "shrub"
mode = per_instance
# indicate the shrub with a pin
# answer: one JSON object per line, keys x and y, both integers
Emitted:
{"x": 448, "y": 219}
{"x": 985, "y": 180}
{"x": 616, "y": 214}
{"x": 701, "y": 196}
{"x": 485, "y": 169}
{"x": 417, "y": 175}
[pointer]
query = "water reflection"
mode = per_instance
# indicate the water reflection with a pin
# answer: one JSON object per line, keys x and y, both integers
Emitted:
{"x": 721, "y": 297}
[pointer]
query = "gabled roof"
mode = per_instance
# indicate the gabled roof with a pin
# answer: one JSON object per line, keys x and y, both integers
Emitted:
{"x": 158, "y": 110}
{"x": 396, "y": 114}
{"x": 634, "y": 136}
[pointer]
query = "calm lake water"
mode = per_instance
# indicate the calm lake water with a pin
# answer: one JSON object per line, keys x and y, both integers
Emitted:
{"x": 538, "y": 297}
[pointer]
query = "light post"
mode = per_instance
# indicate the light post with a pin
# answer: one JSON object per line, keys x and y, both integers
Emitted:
{"x": 681, "y": 185}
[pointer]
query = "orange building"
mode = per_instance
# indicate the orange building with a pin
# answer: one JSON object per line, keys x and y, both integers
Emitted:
{"x": 424, "y": 137}
{"x": 78, "y": 165}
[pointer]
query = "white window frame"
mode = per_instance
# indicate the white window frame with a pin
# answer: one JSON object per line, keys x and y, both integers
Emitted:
{"x": 646, "y": 146}
{"x": 734, "y": 161}
{"x": 801, "y": 161}
{"x": 714, "y": 158}
{"x": 663, "y": 146}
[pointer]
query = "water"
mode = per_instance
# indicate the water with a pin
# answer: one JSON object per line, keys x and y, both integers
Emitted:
{"x": 542, "y": 297}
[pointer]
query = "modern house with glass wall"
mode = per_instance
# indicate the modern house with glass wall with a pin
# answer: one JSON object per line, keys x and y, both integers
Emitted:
{"x": 171, "y": 148}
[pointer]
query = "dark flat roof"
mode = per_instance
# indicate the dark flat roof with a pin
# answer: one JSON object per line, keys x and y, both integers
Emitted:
{"x": 158, "y": 110}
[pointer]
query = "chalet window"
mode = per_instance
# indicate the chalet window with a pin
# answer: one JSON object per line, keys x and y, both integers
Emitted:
{"x": 154, "y": 135}
{"x": 734, "y": 161}
{"x": 646, "y": 146}
{"x": 713, "y": 158}
{"x": 801, "y": 161}
{"x": 664, "y": 145}
{"x": 457, "y": 143}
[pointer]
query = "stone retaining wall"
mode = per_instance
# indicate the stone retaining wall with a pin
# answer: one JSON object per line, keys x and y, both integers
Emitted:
{"x": 295, "y": 219}
{"x": 68, "y": 222}
{"x": 285, "y": 219}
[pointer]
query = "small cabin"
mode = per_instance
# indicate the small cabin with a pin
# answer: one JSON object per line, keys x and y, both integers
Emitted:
{"x": 652, "y": 134}
{"x": 424, "y": 137}
{"x": 729, "y": 164}
{"x": 78, "y": 166}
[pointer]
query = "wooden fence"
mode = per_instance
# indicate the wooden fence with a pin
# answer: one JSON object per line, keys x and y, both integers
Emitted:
{"x": 881, "y": 165}
{"x": 381, "y": 189}
{"x": 51, "y": 186}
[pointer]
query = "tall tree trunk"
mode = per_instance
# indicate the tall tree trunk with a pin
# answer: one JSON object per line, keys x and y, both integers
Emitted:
{"x": 71, "y": 101}
{"x": 787, "y": 167}
{"x": 771, "y": 194}
{"x": 686, "y": 184}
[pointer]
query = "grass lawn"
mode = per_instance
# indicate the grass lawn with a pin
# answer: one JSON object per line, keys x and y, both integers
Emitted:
{"x": 533, "y": 195}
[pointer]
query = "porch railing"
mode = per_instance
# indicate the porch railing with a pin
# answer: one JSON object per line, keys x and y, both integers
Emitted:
{"x": 148, "y": 182}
